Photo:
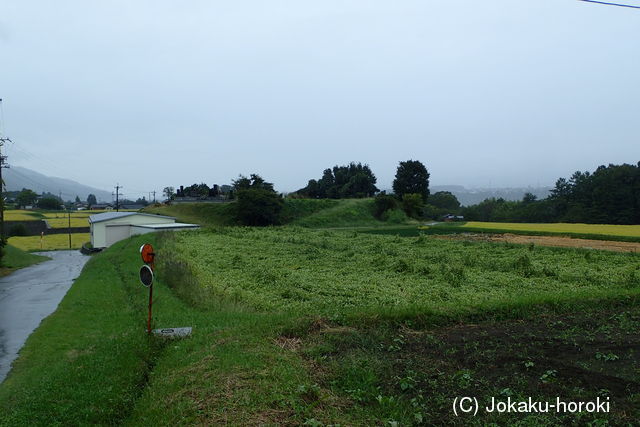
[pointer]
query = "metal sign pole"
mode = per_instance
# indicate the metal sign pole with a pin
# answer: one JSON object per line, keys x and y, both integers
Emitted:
{"x": 146, "y": 277}
{"x": 150, "y": 304}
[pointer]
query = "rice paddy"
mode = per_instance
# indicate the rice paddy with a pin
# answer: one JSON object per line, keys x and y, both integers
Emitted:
{"x": 604, "y": 229}
{"x": 49, "y": 242}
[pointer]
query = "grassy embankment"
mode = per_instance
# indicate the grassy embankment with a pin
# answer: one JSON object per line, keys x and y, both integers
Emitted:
{"x": 294, "y": 326}
{"x": 14, "y": 259}
{"x": 322, "y": 213}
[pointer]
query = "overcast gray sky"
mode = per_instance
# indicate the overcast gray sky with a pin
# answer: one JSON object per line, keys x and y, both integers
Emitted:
{"x": 154, "y": 93}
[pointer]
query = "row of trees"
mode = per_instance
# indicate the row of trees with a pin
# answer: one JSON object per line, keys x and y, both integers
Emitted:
{"x": 354, "y": 180}
{"x": 28, "y": 197}
{"x": 200, "y": 191}
{"x": 611, "y": 195}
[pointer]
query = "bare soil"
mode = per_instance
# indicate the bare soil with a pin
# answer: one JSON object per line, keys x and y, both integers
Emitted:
{"x": 565, "y": 242}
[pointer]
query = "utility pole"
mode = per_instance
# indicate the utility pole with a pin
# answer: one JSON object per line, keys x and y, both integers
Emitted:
{"x": 154, "y": 196}
{"x": 118, "y": 187}
{"x": 3, "y": 165}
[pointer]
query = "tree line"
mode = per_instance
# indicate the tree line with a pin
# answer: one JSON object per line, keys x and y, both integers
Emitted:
{"x": 609, "y": 195}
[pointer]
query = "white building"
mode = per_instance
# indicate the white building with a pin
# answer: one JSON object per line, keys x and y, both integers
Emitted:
{"x": 110, "y": 227}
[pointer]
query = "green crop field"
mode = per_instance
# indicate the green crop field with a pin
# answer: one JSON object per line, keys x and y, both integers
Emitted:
{"x": 343, "y": 272}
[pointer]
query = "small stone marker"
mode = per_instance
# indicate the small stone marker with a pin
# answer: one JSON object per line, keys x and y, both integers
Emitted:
{"x": 172, "y": 332}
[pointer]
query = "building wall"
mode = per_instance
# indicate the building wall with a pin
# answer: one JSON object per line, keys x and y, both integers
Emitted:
{"x": 98, "y": 238}
{"x": 101, "y": 232}
{"x": 116, "y": 232}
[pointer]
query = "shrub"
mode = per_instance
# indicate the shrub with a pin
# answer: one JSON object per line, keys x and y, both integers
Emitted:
{"x": 383, "y": 203}
{"x": 257, "y": 206}
{"x": 394, "y": 216}
{"x": 412, "y": 205}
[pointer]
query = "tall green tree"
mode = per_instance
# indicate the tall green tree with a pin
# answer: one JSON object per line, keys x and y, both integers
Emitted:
{"x": 444, "y": 200}
{"x": 169, "y": 193}
{"x": 257, "y": 202}
{"x": 91, "y": 200}
{"x": 50, "y": 203}
{"x": 412, "y": 177}
{"x": 26, "y": 197}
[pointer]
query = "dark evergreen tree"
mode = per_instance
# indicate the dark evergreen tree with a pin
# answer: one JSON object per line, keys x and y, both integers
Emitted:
{"x": 412, "y": 177}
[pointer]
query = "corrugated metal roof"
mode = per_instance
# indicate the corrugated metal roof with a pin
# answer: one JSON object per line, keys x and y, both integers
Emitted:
{"x": 107, "y": 216}
{"x": 163, "y": 226}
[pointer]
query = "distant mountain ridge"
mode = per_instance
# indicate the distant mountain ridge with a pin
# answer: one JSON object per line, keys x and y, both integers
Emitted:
{"x": 16, "y": 178}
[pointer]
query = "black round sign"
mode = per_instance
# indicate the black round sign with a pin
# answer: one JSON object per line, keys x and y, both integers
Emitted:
{"x": 146, "y": 275}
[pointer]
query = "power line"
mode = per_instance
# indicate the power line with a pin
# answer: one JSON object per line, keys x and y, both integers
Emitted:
{"x": 611, "y": 4}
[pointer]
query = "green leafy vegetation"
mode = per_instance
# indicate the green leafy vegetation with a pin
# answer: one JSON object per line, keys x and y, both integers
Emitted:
{"x": 328, "y": 272}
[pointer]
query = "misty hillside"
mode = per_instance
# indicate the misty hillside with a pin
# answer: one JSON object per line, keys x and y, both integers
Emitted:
{"x": 474, "y": 196}
{"x": 16, "y": 178}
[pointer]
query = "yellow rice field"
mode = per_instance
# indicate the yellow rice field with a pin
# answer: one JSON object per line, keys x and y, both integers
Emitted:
{"x": 63, "y": 222}
{"x": 49, "y": 242}
{"x": 604, "y": 229}
{"x": 20, "y": 215}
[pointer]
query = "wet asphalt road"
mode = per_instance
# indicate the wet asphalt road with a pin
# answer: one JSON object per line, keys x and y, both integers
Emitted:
{"x": 29, "y": 295}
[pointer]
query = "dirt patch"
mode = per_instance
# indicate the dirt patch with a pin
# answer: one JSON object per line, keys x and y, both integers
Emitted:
{"x": 291, "y": 344}
{"x": 582, "y": 356}
{"x": 564, "y": 242}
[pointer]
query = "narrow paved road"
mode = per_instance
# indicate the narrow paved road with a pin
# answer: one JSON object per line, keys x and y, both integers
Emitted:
{"x": 29, "y": 295}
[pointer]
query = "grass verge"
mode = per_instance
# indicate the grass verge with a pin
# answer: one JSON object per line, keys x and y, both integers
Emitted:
{"x": 14, "y": 259}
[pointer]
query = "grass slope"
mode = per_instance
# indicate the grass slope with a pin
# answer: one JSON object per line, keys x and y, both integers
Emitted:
{"x": 320, "y": 213}
{"x": 345, "y": 213}
{"x": 205, "y": 214}
{"x": 14, "y": 258}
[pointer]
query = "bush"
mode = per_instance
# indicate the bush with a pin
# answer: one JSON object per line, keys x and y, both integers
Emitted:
{"x": 383, "y": 203}
{"x": 412, "y": 205}
{"x": 394, "y": 216}
{"x": 18, "y": 230}
{"x": 257, "y": 206}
